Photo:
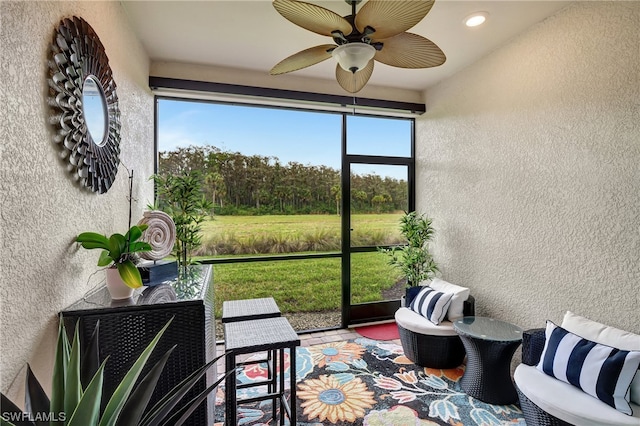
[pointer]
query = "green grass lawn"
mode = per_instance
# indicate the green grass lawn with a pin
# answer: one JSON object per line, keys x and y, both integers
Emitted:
{"x": 291, "y": 224}
{"x": 294, "y": 233}
{"x": 301, "y": 285}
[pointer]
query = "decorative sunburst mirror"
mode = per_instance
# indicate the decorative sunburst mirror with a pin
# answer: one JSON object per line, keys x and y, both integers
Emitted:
{"x": 83, "y": 97}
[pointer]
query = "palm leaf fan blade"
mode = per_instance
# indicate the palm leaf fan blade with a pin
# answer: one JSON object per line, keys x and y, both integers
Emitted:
{"x": 303, "y": 59}
{"x": 390, "y": 18}
{"x": 351, "y": 82}
{"x": 407, "y": 50}
{"x": 313, "y": 18}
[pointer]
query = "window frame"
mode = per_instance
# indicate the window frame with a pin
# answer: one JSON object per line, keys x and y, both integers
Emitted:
{"x": 350, "y": 314}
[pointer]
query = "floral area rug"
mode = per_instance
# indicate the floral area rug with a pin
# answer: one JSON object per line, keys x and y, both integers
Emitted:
{"x": 369, "y": 382}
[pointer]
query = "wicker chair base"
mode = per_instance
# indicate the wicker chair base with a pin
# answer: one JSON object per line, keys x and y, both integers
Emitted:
{"x": 432, "y": 351}
{"x": 536, "y": 416}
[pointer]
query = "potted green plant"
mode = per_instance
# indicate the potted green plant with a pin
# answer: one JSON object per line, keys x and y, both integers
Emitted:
{"x": 181, "y": 196}
{"x": 118, "y": 253}
{"x": 77, "y": 390}
{"x": 414, "y": 260}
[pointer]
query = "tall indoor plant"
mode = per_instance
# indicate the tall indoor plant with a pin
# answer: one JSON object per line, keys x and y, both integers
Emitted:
{"x": 181, "y": 196}
{"x": 414, "y": 260}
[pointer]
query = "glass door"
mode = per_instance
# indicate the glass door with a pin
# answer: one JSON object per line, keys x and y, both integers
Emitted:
{"x": 377, "y": 190}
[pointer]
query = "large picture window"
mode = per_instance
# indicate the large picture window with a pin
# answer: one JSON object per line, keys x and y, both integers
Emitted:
{"x": 274, "y": 182}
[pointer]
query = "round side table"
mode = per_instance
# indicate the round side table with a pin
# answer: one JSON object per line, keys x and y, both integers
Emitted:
{"x": 490, "y": 345}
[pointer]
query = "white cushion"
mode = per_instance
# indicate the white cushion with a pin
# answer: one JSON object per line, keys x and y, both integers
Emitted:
{"x": 605, "y": 335}
{"x": 599, "y": 370}
{"x": 406, "y": 318}
{"x": 431, "y": 304}
{"x": 569, "y": 403}
{"x": 634, "y": 391}
{"x": 460, "y": 294}
{"x": 600, "y": 333}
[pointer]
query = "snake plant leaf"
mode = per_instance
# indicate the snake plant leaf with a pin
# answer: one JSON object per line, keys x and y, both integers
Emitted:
{"x": 184, "y": 412}
{"x": 35, "y": 399}
{"x": 72, "y": 385}
{"x": 129, "y": 274}
{"x": 90, "y": 361}
{"x": 126, "y": 405}
{"x": 10, "y": 411}
{"x": 122, "y": 392}
{"x": 60, "y": 372}
{"x": 93, "y": 240}
{"x": 163, "y": 407}
{"x": 87, "y": 412}
{"x": 139, "y": 399}
{"x": 105, "y": 259}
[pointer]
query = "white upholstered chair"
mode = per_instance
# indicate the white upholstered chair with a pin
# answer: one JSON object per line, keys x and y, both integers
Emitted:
{"x": 431, "y": 345}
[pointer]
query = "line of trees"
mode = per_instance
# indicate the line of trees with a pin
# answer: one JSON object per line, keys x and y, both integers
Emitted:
{"x": 240, "y": 184}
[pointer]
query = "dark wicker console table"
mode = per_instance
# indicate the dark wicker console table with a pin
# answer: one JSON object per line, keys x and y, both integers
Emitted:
{"x": 127, "y": 326}
{"x": 490, "y": 345}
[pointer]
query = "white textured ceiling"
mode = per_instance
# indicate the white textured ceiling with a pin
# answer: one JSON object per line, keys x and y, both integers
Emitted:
{"x": 251, "y": 35}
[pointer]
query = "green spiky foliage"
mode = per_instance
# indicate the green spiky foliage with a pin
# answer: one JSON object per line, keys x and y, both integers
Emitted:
{"x": 413, "y": 260}
{"x": 77, "y": 391}
{"x": 118, "y": 250}
{"x": 181, "y": 197}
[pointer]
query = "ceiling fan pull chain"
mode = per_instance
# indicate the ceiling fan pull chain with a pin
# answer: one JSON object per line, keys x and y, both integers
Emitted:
{"x": 354, "y": 94}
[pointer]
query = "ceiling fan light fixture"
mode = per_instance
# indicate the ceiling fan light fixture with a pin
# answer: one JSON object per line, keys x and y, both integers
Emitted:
{"x": 475, "y": 19}
{"x": 353, "y": 57}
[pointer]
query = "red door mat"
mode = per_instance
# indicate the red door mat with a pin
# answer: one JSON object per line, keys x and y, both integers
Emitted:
{"x": 387, "y": 331}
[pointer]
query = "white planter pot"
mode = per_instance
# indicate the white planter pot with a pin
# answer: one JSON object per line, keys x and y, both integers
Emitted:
{"x": 117, "y": 288}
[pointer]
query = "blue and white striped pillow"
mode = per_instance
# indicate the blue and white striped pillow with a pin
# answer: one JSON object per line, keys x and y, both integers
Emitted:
{"x": 431, "y": 304}
{"x": 599, "y": 370}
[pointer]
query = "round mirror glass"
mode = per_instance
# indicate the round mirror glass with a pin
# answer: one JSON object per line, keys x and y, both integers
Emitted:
{"x": 94, "y": 109}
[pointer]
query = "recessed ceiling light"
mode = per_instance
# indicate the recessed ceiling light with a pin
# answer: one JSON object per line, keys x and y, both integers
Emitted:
{"x": 475, "y": 19}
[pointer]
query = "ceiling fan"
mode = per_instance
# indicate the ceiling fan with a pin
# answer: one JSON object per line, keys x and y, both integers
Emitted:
{"x": 376, "y": 32}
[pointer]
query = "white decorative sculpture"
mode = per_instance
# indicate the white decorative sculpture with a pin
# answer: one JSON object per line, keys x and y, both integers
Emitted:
{"x": 161, "y": 234}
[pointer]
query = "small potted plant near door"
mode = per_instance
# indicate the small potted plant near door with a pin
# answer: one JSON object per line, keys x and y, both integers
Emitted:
{"x": 414, "y": 260}
{"x": 118, "y": 254}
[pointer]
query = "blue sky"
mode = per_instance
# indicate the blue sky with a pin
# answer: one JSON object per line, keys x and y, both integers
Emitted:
{"x": 290, "y": 135}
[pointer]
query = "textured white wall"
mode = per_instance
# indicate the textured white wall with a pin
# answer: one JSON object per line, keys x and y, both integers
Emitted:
{"x": 41, "y": 269}
{"x": 529, "y": 163}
